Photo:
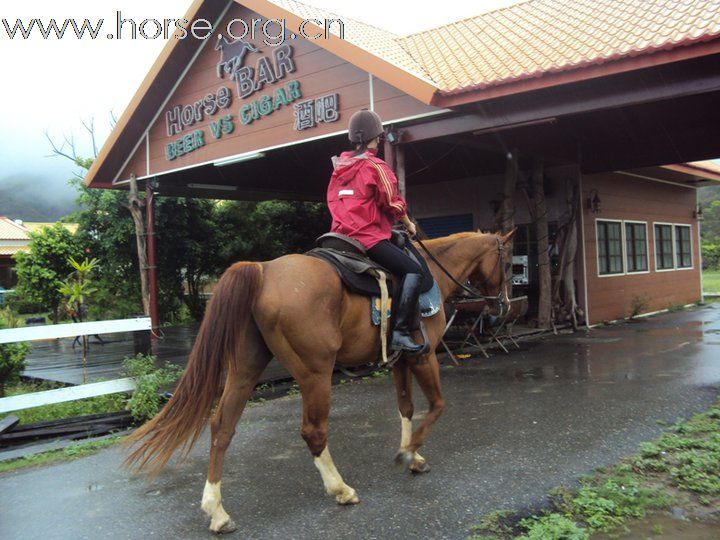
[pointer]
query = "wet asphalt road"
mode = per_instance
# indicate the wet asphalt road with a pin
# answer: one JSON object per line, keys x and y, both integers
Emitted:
{"x": 515, "y": 426}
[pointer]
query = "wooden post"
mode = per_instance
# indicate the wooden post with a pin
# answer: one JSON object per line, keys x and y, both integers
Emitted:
{"x": 543, "y": 255}
{"x": 135, "y": 205}
{"x": 151, "y": 249}
{"x": 389, "y": 155}
{"x": 563, "y": 297}
{"x": 507, "y": 208}
{"x": 400, "y": 169}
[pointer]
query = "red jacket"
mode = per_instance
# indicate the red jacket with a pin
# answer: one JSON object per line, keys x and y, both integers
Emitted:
{"x": 363, "y": 198}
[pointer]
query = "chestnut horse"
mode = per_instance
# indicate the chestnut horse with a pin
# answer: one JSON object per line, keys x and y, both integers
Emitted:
{"x": 296, "y": 309}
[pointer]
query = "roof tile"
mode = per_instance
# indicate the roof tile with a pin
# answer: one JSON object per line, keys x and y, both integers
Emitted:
{"x": 532, "y": 38}
{"x": 537, "y": 36}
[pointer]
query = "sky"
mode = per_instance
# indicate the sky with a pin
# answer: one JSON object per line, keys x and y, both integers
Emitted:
{"x": 53, "y": 86}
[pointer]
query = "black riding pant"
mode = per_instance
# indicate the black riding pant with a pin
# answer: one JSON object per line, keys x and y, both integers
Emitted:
{"x": 393, "y": 258}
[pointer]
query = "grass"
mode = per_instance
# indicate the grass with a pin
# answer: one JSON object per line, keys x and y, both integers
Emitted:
{"x": 95, "y": 405}
{"x": 711, "y": 281}
{"x": 679, "y": 469}
{"x": 74, "y": 451}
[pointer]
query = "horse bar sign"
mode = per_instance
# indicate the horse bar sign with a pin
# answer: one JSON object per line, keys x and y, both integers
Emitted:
{"x": 269, "y": 70}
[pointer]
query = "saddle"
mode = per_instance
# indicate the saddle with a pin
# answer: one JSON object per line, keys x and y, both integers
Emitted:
{"x": 363, "y": 276}
{"x": 356, "y": 270}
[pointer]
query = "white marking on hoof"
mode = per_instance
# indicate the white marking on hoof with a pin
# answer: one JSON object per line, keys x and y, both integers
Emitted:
{"x": 404, "y": 458}
{"x": 419, "y": 465}
{"x": 349, "y": 496}
{"x": 220, "y": 521}
{"x": 333, "y": 482}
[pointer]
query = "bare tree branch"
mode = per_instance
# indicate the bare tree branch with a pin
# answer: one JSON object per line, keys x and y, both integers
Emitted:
{"x": 91, "y": 131}
{"x": 60, "y": 150}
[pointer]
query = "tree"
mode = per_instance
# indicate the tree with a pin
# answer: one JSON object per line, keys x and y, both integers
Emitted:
{"x": 76, "y": 290}
{"x": 40, "y": 271}
{"x": 12, "y": 355}
{"x": 266, "y": 230}
{"x": 106, "y": 230}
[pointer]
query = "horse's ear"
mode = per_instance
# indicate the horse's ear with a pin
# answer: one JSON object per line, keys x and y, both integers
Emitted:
{"x": 506, "y": 238}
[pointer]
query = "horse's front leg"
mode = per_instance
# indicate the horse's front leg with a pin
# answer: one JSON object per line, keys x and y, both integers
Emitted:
{"x": 315, "y": 389}
{"x": 403, "y": 388}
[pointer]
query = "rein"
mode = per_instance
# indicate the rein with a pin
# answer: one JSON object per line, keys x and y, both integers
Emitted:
{"x": 501, "y": 298}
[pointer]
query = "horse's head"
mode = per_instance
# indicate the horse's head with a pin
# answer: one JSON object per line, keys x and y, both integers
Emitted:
{"x": 221, "y": 43}
{"x": 494, "y": 268}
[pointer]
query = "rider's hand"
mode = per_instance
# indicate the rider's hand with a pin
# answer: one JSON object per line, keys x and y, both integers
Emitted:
{"x": 410, "y": 226}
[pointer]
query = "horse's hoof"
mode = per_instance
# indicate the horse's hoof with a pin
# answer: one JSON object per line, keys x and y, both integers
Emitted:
{"x": 227, "y": 527}
{"x": 419, "y": 467}
{"x": 404, "y": 458}
{"x": 348, "y": 497}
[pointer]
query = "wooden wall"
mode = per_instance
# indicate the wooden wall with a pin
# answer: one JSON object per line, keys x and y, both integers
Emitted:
{"x": 625, "y": 197}
{"x": 318, "y": 72}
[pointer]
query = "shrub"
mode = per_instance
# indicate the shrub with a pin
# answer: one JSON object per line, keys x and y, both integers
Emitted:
{"x": 552, "y": 527}
{"x": 12, "y": 355}
{"x": 145, "y": 401}
{"x": 711, "y": 256}
{"x": 638, "y": 305}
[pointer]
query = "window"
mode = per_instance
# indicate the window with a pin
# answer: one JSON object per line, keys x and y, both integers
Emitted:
{"x": 434, "y": 227}
{"x": 636, "y": 256}
{"x": 683, "y": 253}
{"x": 610, "y": 249}
{"x": 663, "y": 247}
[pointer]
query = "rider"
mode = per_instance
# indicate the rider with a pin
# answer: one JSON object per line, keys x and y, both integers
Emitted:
{"x": 364, "y": 202}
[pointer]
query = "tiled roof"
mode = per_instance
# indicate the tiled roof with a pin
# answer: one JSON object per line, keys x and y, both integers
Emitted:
{"x": 534, "y": 38}
{"x": 38, "y": 226}
{"x": 542, "y": 36}
{"x": 9, "y": 230}
{"x": 379, "y": 42}
{"x": 12, "y": 250}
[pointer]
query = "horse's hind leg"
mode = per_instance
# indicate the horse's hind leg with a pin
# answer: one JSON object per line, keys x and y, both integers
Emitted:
{"x": 315, "y": 388}
{"x": 403, "y": 388}
{"x": 242, "y": 377}
{"x": 428, "y": 377}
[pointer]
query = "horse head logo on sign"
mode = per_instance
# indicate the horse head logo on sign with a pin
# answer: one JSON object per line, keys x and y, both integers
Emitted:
{"x": 268, "y": 69}
{"x": 232, "y": 54}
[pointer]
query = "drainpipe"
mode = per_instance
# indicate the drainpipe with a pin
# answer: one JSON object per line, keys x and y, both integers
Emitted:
{"x": 151, "y": 186}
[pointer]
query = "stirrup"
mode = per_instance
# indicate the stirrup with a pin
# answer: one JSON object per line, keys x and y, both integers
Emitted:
{"x": 394, "y": 357}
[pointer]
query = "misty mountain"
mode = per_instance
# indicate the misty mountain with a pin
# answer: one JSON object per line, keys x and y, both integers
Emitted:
{"x": 36, "y": 198}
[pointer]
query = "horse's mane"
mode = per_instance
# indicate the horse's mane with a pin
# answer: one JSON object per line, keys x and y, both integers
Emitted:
{"x": 442, "y": 244}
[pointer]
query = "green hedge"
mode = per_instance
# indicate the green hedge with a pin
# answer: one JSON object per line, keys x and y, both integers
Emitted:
{"x": 711, "y": 256}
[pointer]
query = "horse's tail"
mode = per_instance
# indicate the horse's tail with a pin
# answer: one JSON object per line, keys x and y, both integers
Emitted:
{"x": 218, "y": 342}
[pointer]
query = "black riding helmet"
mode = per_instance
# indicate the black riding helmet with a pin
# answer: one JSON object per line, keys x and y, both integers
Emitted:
{"x": 364, "y": 126}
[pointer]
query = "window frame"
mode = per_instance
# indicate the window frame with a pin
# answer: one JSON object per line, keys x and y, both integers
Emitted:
{"x": 690, "y": 240}
{"x": 655, "y": 250}
{"x": 622, "y": 248}
{"x": 647, "y": 247}
{"x": 673, "y": 228}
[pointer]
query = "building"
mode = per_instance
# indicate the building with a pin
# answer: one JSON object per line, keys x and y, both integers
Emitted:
{"x": 611, "y": 104}
{"x": 14, "y": 237}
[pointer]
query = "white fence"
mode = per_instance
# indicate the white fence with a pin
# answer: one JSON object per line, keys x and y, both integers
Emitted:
{"x": 38, "y": 333}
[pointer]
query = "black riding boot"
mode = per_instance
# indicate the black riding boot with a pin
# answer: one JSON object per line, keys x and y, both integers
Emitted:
{"x": 406, "y": 309}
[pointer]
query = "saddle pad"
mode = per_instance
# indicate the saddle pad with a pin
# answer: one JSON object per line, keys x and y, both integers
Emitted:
{"x": 430, "y": 304}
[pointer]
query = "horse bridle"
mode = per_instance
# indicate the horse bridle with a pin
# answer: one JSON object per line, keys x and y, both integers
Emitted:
{"x": 501, "y": 298}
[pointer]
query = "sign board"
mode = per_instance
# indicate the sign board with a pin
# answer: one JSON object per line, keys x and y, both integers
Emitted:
{"x": 243, "y": 95}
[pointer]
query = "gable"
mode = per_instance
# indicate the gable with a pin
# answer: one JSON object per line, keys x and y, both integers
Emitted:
{"x": 241, "y": 97}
